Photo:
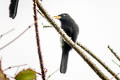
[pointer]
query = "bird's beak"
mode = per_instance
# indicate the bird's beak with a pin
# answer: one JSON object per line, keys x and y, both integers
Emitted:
{"x": 57, "y": 17}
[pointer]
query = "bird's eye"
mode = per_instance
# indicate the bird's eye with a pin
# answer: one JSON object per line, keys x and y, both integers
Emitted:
{"x": 64, "y": 15}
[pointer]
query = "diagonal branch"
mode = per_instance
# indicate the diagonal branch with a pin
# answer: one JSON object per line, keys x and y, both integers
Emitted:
{"x": 1, "y": 48}
{"x": 72, "y": 44}
{"x": 6, "y": 33}
{"x": 114, "y": 53}
{"x": 116, "y": 63}
{"x": 102, "y": 63}
{"x": 38, "y": 40}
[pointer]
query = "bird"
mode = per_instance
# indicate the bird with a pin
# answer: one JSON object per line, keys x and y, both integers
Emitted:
{"x": 71, "y": 28}
{"x": 13, "y": 8}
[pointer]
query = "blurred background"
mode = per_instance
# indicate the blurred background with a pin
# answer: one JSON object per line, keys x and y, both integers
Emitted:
{"x": 99, "y": 23}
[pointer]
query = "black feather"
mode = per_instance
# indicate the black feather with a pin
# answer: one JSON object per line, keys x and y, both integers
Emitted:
{"x": 72, "y": 30}
{"x": 13, "y": 8}
{"x": 64, "y": 60}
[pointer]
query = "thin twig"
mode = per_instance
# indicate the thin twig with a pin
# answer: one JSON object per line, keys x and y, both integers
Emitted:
{"x": 40, "y": 13}
{"x": 72, "y": 44}
{"x": 14, "y": 67}
{"x": 1, "y": 48}
{"x": 6, "y": 33}
{"x": 100, "y": 61}
{"x": 114, "y": 53}
{"x": 116, "y": 63}
{"x": 52, "y": 73}
{"x": 38, "y": 40}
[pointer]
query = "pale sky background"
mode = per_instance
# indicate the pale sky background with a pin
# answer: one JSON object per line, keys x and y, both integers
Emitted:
{"x": 99, "y": 23}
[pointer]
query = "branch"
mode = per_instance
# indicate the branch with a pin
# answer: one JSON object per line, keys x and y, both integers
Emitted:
{"x": 102, "y": 63}
{"x": 52, "y": 74}
{"x": 38, "y": 40}
{"x": 6, "y": 33}
{"x": 1, "y": 48}
{"x": 71, "y": 43}
{"x": 114, "y": 53}
{"x": 14, "y": 67}
{"x": 116, "y": 63}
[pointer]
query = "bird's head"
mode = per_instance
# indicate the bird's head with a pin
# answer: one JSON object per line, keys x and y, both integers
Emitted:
{"x": 63, "y": 17}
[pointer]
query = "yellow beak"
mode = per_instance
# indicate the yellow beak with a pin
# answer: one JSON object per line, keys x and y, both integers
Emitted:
{"x": 57, "y": 17}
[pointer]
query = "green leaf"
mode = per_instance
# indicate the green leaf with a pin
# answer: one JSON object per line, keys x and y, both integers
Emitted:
{"x": 28, "y": 74}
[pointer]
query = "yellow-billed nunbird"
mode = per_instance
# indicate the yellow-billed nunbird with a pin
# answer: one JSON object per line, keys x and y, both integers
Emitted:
{"x": 72, "y": 30}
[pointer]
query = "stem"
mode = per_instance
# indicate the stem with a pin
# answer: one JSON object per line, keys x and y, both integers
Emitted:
{"x": 38, "y": 40}
{"x": 114, "y": 53}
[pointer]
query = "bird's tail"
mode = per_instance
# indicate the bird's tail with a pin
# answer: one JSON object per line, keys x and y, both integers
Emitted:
{"x": 64, "y": 61}
{"x": 13, "y": 8}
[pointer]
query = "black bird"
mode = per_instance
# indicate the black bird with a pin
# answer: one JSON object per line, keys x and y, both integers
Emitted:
{"x": 72, "y": 30}
{"x": 13, "y": 8}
